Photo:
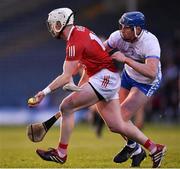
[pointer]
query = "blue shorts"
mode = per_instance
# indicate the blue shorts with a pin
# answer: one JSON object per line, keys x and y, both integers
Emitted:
{"x": 128, "y": 83}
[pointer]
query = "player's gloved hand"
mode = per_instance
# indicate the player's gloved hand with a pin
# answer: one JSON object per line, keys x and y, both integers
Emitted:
{"x": 71, "y": 87}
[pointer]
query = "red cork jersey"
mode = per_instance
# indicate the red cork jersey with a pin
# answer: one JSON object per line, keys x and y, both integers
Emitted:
{"x": 85, "y": 47}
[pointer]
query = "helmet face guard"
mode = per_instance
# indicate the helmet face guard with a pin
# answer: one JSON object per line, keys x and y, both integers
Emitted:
{"x": 52, "y": 28}
{"x": 49, "y": 26}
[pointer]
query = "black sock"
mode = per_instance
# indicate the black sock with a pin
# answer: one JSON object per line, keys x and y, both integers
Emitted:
{"x": 130, "y": 142}
{"x": 47, "y": 124}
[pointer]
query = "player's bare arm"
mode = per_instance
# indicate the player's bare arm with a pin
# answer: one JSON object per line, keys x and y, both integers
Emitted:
{"x": 84, "y": 78}
{"x": 69, "y": 68}
{"x": 148, "y": 69}
{"x": 72, "y": 87}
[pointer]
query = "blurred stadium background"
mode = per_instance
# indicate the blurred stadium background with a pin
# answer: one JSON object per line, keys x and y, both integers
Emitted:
{"x": 30, "y": 58}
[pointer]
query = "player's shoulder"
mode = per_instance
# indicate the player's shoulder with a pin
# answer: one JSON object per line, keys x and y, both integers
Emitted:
{"x": 78, "y": 34}
{"x": 115, "y": 34}
{"x": 149, "y": 42}
{"x": 80, "y": 30}
{"x": 148, "y": 36}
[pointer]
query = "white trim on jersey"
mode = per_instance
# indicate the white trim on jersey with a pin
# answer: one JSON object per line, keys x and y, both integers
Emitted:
{"x": 71, "y": 51}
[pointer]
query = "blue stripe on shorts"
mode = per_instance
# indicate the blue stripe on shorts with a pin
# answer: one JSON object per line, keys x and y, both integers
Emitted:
{"x": 128, "y": 83}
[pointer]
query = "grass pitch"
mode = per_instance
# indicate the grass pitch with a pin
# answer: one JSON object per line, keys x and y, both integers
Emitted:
{"x": 85, "y": 149}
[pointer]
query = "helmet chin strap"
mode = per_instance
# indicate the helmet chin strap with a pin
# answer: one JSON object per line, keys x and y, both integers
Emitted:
{"x": 121, "y": 34}
{"x": 67, "y": 21}
{"x": 135, "y": 32}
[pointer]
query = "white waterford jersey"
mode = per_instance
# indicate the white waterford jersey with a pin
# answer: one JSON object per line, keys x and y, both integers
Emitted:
{"x": 147, "y": 46}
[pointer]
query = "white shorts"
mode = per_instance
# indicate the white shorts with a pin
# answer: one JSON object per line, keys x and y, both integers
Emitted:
{"x": 106, "y": 83}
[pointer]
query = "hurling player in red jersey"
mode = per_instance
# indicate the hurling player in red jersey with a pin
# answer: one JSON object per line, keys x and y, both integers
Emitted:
{"x": 85, "y": 48}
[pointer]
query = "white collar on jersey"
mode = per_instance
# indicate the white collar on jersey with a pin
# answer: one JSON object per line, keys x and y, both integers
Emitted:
{"x": 70, "y": 32}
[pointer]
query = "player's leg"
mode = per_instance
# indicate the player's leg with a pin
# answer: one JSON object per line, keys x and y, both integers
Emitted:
{"x": 135, "y": 100}
{"x": 99, "y": 126}
{"x": 110, "y": 113}
{"x": 131, "y": 146}
{"x": 85, "y": 98}
{"x": 93, "y": 91}
{"x": 128, "y": 109}
{"x": 139, "y": 155}
{"x": 139, "y": 118}
{"x": 75, "y": 101}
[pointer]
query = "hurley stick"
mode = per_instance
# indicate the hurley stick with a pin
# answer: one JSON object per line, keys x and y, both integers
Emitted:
{"x": 37, "y": 131}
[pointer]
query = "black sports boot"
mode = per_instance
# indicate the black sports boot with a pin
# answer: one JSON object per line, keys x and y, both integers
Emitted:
{"x": 125, "y": 154}
{"x": 138, "y": 158}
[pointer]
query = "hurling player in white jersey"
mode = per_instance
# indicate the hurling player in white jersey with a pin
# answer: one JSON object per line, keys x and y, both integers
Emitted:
{"x": 83, "y": 46}
{"x": 139, "y": 50}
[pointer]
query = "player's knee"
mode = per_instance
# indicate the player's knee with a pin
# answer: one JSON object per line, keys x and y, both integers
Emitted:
{"x": 116, "y": 128}
{"x": 113, "y": 129}
{"x": 65, "y": 106}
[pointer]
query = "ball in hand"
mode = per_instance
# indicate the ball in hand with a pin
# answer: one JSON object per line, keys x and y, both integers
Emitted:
{"x": 32, "y": 101}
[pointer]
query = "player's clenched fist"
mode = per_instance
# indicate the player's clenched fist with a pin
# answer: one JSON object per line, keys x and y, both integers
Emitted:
{"x": 119, "y": 57}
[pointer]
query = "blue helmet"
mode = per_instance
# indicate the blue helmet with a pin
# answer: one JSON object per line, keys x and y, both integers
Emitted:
{"x": 133, "y": 19}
